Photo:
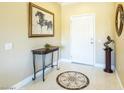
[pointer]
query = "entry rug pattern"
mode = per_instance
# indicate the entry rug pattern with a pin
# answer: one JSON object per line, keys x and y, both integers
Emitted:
{"x": 72, "y": 80}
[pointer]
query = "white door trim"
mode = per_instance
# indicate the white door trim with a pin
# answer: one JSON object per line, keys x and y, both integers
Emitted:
{"x": 94, "y": 34}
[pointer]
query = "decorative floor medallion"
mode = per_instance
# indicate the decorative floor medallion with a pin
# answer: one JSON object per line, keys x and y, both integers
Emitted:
{"x": 72, "y": 80}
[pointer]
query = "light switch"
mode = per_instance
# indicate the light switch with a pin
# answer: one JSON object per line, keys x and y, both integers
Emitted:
{"x": 8, "y": 46}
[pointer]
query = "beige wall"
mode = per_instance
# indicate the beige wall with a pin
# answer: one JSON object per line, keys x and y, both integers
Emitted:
{"x": 104, "y": 25}
{"x": 120, "y": 53}
{"x": 16, "y": 64}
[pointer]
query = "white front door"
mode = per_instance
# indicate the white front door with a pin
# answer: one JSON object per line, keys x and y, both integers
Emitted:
{"x": 82, "y": 39}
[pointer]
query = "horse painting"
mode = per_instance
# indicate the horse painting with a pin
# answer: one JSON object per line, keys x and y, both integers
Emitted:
{"x": 42, "y": 21}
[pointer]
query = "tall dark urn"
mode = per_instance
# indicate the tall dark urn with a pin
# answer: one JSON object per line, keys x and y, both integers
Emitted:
{"x": 108, "y": 60}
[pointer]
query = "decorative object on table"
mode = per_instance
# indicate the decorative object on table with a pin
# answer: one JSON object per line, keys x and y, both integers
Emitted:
{"x": 41, "y": 21}
{"x": 119, "y": 19}
{"x": 108, "y": 50}
{"x": 47, "y": 46}
{"x": 72, "y": 80}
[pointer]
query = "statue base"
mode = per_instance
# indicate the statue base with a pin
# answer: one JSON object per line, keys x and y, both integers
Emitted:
{"x": 108, "y": 60}
{"x": 108, "y": 70}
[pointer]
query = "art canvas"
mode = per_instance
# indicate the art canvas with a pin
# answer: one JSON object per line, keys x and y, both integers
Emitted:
{"x": 41, "y": 22}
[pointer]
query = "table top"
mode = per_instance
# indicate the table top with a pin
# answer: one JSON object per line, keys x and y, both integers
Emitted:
{"x": 44, "y": 50}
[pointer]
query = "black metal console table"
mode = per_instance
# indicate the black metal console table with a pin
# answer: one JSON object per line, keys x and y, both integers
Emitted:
{"x": 43, "y": 52}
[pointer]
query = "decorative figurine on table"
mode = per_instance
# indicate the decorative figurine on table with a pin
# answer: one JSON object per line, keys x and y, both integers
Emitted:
{"x": 108, "y": 55}
{"x": 47, "y": 46}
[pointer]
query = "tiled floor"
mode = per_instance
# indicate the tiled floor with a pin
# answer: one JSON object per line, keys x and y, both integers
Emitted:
{"x": 98, "y": 78}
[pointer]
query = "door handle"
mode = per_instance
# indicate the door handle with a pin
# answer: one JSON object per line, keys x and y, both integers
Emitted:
{"x": 92, "y": 42}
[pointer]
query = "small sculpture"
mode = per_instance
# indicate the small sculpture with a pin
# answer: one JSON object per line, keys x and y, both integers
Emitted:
{"x": 106, "y": 44}
{"x": 47, "y": 46}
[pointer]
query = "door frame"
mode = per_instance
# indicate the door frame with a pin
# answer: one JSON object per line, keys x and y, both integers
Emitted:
{"x": 94, "y": 35}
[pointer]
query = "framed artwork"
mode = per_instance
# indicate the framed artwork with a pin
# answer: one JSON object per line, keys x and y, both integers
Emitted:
{"x": 41, "y": 22}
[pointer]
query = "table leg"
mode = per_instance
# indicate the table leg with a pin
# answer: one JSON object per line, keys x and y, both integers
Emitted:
{"x": 34, "y": 67}
{"x": 43, "y": 59}
{"x": 57, "y": 60}
{"x": 52, "y": 60}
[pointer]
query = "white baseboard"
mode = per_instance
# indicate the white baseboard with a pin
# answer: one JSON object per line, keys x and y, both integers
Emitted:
{"x": 27, "y": 80}
{"x": 100, "y": 65}
{"x": 103, "y": 66}
{"x": 22, "y": 83}
{"x": 69, "y": 61}
{"x": 65, "y": 60}
{"x": 119, "y": 79}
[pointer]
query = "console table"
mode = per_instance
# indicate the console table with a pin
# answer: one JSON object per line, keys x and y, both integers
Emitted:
{"x": 43, "y": 52}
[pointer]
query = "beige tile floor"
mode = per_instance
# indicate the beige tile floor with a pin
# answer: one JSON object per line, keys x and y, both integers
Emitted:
{"x": 99, "y": 80}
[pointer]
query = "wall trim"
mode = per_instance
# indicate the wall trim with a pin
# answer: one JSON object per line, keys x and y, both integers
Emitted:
{"x": 27, "y": 80}
{"x": 22, "y": 83}
{"x": 65, "y": 60}
{"x": 103, "y": 66}
{"x": 100, "y": 65}
{"x": 119, "y": 79}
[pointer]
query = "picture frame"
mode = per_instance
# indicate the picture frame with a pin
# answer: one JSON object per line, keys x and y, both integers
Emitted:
{"x": 41, "y": 22}
{"x": 118, "y": 19}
